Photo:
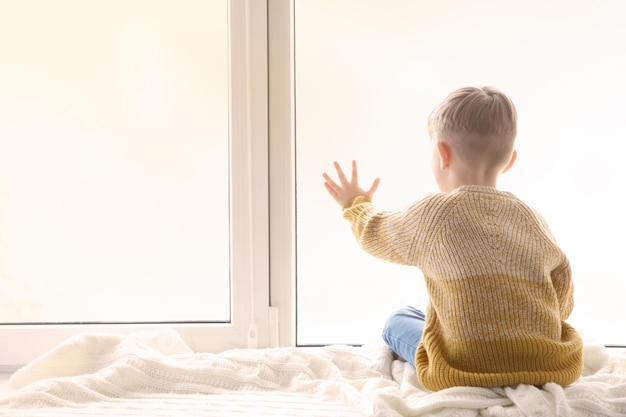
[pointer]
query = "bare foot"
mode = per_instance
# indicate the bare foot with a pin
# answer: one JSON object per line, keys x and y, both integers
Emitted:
{"x": 397, "y": 357}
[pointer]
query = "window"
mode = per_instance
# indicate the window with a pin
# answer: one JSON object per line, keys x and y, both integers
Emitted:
{"x": 361, "y": 89}
{"x": 364, "y": 87}
{"x": 115, "y": 159}
{"x": 133, "y": 138}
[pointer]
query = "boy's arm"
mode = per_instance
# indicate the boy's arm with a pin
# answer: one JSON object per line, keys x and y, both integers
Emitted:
{"x": 392, "y": 236}
{"x": 396, "y": 236}
{"x": 564, "y": 287}
{"x": 561, "y": 276}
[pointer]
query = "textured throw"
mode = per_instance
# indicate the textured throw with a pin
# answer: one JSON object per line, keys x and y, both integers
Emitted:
{"x": 157, "y": 374}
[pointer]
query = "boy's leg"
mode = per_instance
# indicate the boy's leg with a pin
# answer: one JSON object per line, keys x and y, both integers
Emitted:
{"x": 403, "y": 332}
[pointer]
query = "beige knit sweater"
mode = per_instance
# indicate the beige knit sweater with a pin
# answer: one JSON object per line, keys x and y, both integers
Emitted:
{"x": 499, "y": 287}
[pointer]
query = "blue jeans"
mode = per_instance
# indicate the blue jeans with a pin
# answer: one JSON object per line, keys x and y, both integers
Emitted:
{"x": 403, "y": 332}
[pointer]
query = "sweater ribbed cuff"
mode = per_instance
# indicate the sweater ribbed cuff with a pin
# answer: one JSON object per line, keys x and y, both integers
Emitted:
{"x": 357, "y": 200}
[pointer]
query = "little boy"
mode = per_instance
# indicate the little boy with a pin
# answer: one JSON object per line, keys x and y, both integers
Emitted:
{"x": 499, "y": 287}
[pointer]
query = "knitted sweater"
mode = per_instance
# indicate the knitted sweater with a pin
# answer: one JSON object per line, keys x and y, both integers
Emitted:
{"x": 499, "y": 287}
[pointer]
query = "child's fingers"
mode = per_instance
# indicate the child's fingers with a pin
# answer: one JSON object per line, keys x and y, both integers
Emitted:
{"x": 373, "y": 188}
{"x": 340, "y": 174}
{"x": 355, "y": 174}
{"x": 331, "y": 190}
{"x": 329, "y": 181}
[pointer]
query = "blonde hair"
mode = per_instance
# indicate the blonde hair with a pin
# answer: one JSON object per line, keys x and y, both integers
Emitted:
{"x": 479, "y": 122}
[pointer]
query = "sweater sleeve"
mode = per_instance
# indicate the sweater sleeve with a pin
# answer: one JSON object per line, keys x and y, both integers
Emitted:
{"x": 562, "y": 282}
{"x": 561, "y": 277}
{"x": 392, "y": 236}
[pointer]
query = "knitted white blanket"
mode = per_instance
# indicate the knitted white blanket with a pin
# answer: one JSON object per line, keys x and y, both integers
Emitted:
{"x": 157, "y": 374}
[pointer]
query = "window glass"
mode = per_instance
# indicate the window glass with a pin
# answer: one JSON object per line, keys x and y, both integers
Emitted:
{"x": 114, "y": 161}
{"x": 365, "y": 85}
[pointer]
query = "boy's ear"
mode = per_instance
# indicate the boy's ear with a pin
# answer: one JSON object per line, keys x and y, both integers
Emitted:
{"x": 444, "y": 154}
{"x": 511, "y": 162}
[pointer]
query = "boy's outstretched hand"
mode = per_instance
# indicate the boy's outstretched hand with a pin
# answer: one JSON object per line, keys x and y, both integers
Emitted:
{"x": 346, "y": 190}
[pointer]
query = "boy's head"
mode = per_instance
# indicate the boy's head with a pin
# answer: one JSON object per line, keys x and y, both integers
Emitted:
{"x": 479, "y": 124}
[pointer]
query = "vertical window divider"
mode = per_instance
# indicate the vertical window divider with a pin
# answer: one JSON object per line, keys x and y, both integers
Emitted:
{"x": 281, "y": 50}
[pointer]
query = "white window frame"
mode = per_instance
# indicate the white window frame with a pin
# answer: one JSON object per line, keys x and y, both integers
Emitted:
{"x": 282, "y": 171}
{"x": 253, "y": 322}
